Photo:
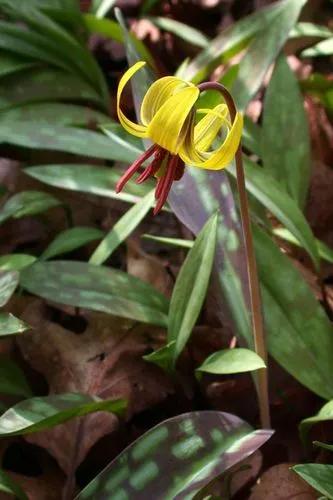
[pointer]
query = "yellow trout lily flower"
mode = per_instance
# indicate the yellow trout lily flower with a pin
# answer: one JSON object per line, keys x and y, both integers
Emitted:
{"x": 169, "y": 119}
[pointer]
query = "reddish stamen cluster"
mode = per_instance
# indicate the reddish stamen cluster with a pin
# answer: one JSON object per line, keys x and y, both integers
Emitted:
{"x": 173, "y": 171}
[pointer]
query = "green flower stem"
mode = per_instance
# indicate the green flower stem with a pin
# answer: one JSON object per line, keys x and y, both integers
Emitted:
{"x": 256, "y": 309}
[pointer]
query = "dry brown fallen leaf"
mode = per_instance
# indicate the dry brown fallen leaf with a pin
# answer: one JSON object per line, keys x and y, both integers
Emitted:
{"x": 281, "y": 483}
{"x": 104, "y": 360}
{"x": 148, "y": 268}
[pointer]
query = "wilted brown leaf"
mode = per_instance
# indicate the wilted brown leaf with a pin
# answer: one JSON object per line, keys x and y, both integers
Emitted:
{"x": 105, "y": 360}
{"x": 280, "y": 483}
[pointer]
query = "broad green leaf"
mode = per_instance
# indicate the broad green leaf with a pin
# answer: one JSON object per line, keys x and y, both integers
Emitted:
{"x": 300, "y": 335}
{"x": 324, "y": 414}
{"x": 325, "y": 252}
{"x": 8, "y": 283}
{"x": 181, "y": 30}
{"x": 263, "y": 50}
{"x": 177, "y": 458}
{"x": 12, "y": 379}
{"x": 311, "y": 30}
{"x": 96, "y": 287}
{"x": 54, "y": 113}
{"x": 191, "y": 286}
{"x": 70, "y": 240}
{"x": 43, "y": 85}
{"x": 16, "y": 261}
{"x": 269, "y": 193}
{"x": 324, "y": 48}
{"x": 40, "y": 413}
{"x": 228, "y": 361}
{"x": 100, "y": 181}
{"x": 319, "y": 476}
{"x": 9, "y": 325}
{"x": 232, "y": 40}
{"x": 33, "y": 135}
{"x": 8, "y": 486}
{"x": 10, "y": 64}
{"x": 27, "y": 203}
{"x": 285, "y": 139}
{"x": 122, "y": 229}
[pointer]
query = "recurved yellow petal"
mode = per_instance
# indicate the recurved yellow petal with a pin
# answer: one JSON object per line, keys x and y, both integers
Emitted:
{"x": 219, "y": 158}
{"x": 131, "y": 127}
{"x": 158, "y": 93}
{"x": 209, "y": 126}
{"x": 169, "y": 125}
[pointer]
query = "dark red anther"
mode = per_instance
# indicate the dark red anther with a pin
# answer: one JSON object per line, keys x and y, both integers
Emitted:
{"x": 154, "y": 166}
{"x": 135, "y": 167}
{"x": 164, "y": 184}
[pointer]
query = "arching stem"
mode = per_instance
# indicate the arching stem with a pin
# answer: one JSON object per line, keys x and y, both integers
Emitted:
{"x": 256, "y": 310}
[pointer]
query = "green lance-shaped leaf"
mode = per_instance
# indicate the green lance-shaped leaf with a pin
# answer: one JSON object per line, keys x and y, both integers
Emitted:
{"x": 324, "y": 446}
{"x": 9, "y": 325}
{"x": 43, "y": 84}
{"x": 285, "y": 140}
{"x": 263, "y": 50}
{"x": 300, "y": 335}
{"x": 16, "y": 261}
{"x": 10, "y": 64}
{"x": 8, "y": 486}
{"x": 324, "y": 48}
{"x": 181, "y": 30}
{"x": 70, "y": 240}
{"x": 96, "y": 287}
{"x": 319, "y": 476}
{"x": 177, "y": 458}
{"x": 27, "y": 203}
{"x": 325, "y": 252}
{"x": 68, "y": 139}
{"x": 232, "y": 40}
{"x": 40, "y": 413}
{"x": 12, "y": 379}
{"x": 305, "y": 29}
{"x": 122, "y": 229}
{"x": 100, "y": 181}
{"x": 269, "y": 193}
{"x": 8, "y": 283}
{"x": 228, "y": 361}
{"x": 324, "y": 414}
{"x": 191, "y": 286}
{"x": 54, "y": 113}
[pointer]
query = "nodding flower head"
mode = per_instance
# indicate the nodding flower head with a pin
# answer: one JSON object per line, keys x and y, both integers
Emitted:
{"x": 180, "y": 132}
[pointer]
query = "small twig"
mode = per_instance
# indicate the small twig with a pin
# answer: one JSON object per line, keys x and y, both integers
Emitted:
{"x": 257, "y": 318}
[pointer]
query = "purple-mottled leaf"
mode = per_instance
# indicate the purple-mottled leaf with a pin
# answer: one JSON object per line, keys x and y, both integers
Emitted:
{"x": 177, "y": 458}
{"x": 97, "y": 288}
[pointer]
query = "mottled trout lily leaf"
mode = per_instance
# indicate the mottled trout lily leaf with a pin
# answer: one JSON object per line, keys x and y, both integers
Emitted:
{"x": 177, "y": 458}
